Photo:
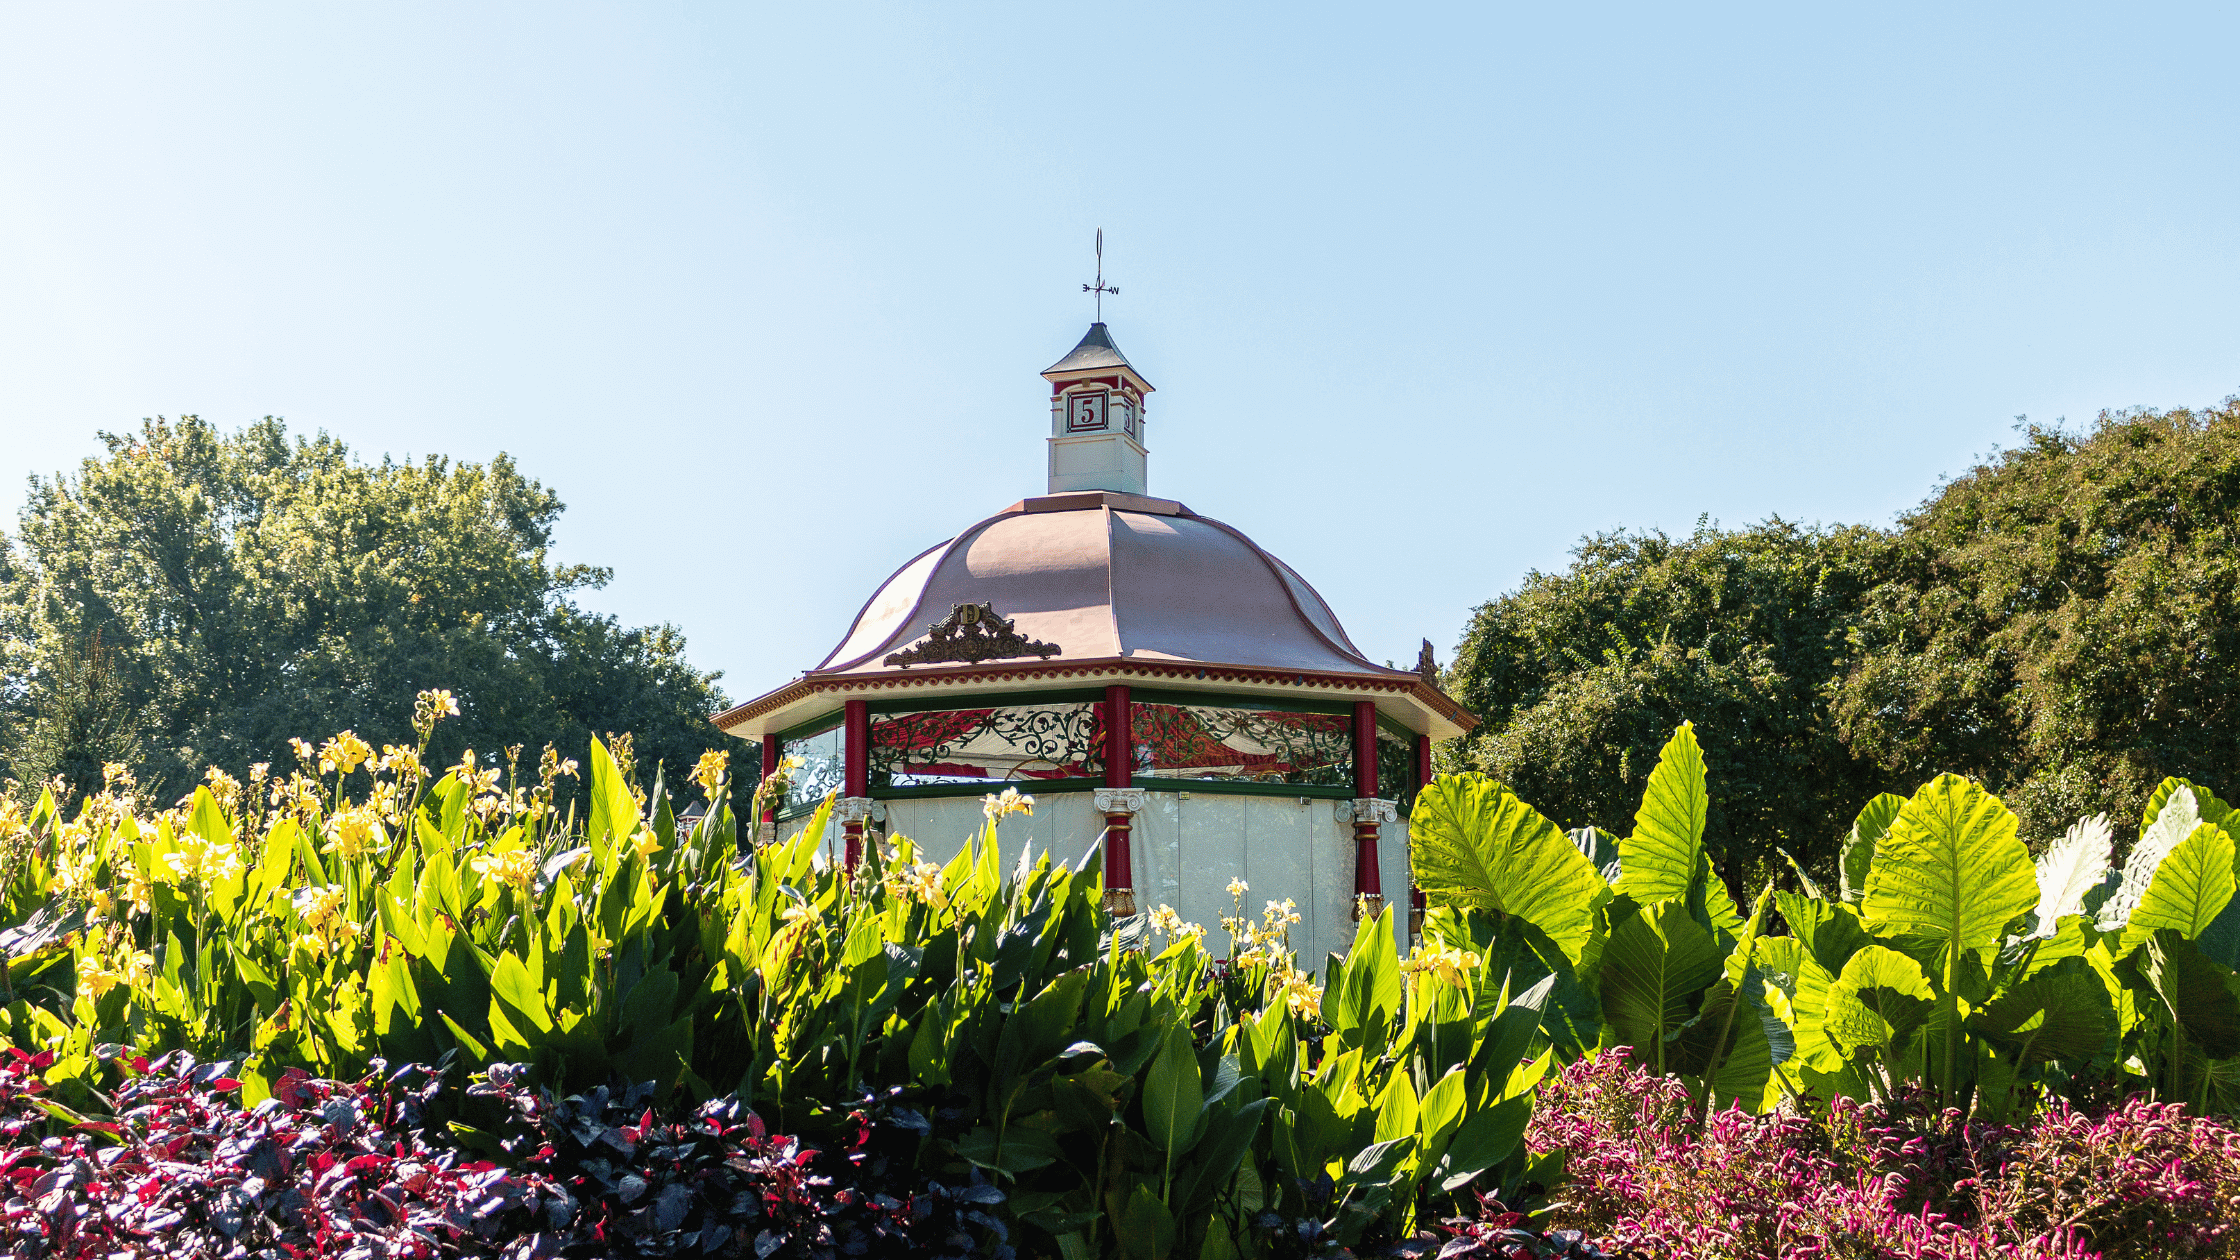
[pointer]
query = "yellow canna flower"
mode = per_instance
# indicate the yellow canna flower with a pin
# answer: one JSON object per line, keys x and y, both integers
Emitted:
{"x": 997, "y": 808}
{"x": 517, "y": 867}
{"x": 356, "y": 832}
{"x": 344, "y": 753}
{"x": 714, "y": 764}
{"x": 1454, "y": 966}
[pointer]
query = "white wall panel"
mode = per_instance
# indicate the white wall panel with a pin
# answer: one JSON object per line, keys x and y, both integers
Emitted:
{"x": 1187, "y": 851}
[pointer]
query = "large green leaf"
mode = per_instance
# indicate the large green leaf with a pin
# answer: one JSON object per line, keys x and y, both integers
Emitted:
{"x": 614, "y": 811}
{"x": 2206, "y": 805}
{"x": 1664, "y": 857}
{"x": 1830, "y": 930}
{"x": 1951, "y": 868}
{"x": 1172, "y": 1095}
{"x": 1655, "y": 967}
{"x": 2198, "y": 993}
{"x": 2174, "y": 820}
{"x": 1369, "y": 989}
{"x": 1879, "y": 1000}
{"x": 1475, "y": 844}
{"x": 1727, "y": 1040}
{"x": 1797, "y": 990}
{"x": 1858, "y": 847}
{"x": 2060, "y": 1012}
{"x": 2071, "y": 867}
{"x": 2192, "y": 885}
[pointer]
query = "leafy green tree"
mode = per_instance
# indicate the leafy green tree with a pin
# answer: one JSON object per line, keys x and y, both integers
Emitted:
{"x": 256, "y": 586}
{"x": 77, "y": 721}
{"x": 2063, "y": 621}
{"x": 1581, "y": 677}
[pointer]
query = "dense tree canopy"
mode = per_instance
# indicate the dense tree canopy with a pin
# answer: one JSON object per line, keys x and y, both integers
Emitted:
{"x": 2061, "y": 622}
{"x": 1582, "y": 676}
{"x": 195, "y": 597}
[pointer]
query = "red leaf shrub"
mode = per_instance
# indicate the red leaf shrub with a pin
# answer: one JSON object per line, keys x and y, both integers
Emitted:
{"x": 330, "y": 1169}
{"x": 182, "y": 1170}
{"x": 1879, "y": 1182}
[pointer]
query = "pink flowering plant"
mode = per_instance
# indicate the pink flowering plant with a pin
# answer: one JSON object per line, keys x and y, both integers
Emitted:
{"x": 1882, "y": 1179}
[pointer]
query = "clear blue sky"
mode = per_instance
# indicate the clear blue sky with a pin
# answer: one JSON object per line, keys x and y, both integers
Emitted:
{"x": 1428, "y": 292}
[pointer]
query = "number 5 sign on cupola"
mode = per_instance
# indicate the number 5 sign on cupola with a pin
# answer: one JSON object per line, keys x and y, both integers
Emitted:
{"x": 1086, "y": 411}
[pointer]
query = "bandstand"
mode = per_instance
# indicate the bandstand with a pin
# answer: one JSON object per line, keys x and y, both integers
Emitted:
{"x": 1260, "y": 743}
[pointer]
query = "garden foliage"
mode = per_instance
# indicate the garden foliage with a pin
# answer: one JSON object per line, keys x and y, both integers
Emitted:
{"x": 1944, "y": 958}
{"x": 1145, "y": 1102}
{"x": 653, "y": 1005}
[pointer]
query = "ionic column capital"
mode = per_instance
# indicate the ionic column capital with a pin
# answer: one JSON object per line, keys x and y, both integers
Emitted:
{"x": 858, "y": 809}
{"x": 1119, "y": 800}
{"x": 1368, "y": 809}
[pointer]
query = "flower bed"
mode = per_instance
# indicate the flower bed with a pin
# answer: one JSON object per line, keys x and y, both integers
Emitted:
{"x": 2139, "y": 1179}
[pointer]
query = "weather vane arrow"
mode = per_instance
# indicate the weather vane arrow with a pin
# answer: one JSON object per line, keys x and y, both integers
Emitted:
{"x": 1100, "y": 288}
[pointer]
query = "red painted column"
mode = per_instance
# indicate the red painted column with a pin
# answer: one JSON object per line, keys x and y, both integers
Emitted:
{"x": 1368, "y": 882}
{"x": 1119, "y": 824}
{"x": 770, "y": 754}
{"x": 855, "y": 773}
{"x": 1416, "y": 903}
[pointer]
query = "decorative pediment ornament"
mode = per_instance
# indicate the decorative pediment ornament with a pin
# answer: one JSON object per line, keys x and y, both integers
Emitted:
{"x": 970, "y": 633}
{"x": 1427, "y": 665}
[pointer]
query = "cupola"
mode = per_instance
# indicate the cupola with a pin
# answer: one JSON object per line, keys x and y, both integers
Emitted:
{"x": 1096, "y": 418}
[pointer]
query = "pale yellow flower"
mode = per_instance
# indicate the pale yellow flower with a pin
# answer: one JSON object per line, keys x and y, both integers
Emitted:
{"x": 1454, "y": 966}
{"x": 96, "y": 977}
{"x": 356, "y": 832}
{"x": 1304, "y": 999}
{"x": 997, "y": 808}
{"x": 1238, "y": 888}
{"x": 920, "y": 882}
{"x": 344, "y": 753}
{"x": 714, "y": 764}
{"x": 645, "y": 844}
{"x": 305, "y": 753}
{"x": 318, "y": 906}
{"x": 517, "y": 867}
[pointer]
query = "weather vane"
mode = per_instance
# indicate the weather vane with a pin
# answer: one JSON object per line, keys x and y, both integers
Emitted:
{"x": 1100, "y": 288}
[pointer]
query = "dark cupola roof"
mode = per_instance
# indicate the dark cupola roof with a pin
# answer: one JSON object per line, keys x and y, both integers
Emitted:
{"x": 1095, "y": 351}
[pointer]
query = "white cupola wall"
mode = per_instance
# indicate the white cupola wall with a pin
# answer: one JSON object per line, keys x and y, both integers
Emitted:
{"x": 1096, "y": 419}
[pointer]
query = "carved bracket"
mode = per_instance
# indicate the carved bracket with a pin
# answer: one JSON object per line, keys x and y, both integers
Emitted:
{"x": 972, "y": 633}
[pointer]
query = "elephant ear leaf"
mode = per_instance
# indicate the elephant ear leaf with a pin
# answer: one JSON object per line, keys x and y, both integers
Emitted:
{"x": 2198, "y": 993}
{"x": 1661, "y": 859}
{"x": 2174, "y": 820}
{"x": 1858, "y": 847}
{"x": 2205, "y": 803}
{"x": 1653, "y": 968}
{"x": 2060, "y": 1012}
{"x": 2070, "y": 868}
{"x": 2192, "y": 885}
{"x": 1951, "y": 868}
{"x": 1881, "y": 998}
{"x": 1476, "y": 845}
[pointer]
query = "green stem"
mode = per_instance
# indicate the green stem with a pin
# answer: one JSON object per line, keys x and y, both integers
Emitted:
{"x": 1952, "y": 1020}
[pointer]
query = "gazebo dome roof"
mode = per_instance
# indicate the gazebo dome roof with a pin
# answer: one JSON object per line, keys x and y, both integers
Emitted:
{"x": 1124, "y": 588}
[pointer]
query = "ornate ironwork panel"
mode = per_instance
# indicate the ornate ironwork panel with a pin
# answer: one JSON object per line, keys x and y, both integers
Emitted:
{"x": 1242, "y": 745}
{"x": 1034, "y": 741}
